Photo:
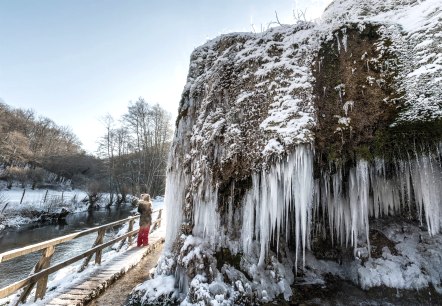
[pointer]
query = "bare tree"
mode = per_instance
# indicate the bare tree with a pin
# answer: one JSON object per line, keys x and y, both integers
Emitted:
{"x": 135, "y": 153}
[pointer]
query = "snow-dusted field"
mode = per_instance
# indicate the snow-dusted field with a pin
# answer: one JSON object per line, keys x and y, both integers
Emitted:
{"x": 17, "y": 204}
{"x": 39, "y": 199}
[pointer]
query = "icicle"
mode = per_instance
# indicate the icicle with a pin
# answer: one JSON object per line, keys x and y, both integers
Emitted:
{"x": 348, "y": 105}
{"x": 363, "y": 192}
{"x": 282, "y": 198}
{"x": 182, "y": 279}
{"x": 338, "y": 43}
{"x": 386, "y": 194}
{"x": 426, "y": 176}
{"x": 341, "y": 91}
{"x": 206, "y": 217}
{"x": 174, "y": 202}
{"x": 344, "y": 38}
{"x": 248, "y": 221}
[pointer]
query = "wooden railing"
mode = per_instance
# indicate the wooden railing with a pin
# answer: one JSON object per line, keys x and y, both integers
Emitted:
{"x": 42, "y": 270}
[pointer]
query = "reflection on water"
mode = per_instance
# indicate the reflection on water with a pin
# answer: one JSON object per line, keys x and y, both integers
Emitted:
{"x": 19, "y": 268}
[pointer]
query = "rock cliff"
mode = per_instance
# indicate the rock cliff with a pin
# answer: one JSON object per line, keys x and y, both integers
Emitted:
{"x": 295, "y": 143}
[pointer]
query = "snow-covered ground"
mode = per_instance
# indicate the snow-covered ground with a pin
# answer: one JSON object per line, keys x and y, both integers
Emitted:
{"x": 412, "y": 262}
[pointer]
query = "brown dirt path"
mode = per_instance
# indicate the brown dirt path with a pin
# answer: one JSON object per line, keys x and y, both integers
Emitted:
{"x": 118, "y": 292}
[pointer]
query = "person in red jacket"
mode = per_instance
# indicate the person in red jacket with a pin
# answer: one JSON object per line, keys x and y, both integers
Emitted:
{"x": 145, "y": 210}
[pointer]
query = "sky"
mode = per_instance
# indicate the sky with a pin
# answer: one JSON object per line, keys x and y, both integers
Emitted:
{"x": 76, "y": 61}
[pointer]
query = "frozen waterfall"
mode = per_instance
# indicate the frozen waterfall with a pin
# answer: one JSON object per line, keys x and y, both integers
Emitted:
{"x": 286, "y": 203}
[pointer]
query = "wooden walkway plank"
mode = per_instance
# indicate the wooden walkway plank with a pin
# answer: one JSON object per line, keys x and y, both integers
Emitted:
{"x": 58, "y": 301}
{"x": 83, "y": 291}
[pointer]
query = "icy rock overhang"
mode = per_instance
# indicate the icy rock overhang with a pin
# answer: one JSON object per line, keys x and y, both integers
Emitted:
{"x": 306, "y": 129}
{"x": 353, "y": 87}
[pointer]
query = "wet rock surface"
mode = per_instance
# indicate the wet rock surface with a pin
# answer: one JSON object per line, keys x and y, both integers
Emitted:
{"x": 336, "y": 291}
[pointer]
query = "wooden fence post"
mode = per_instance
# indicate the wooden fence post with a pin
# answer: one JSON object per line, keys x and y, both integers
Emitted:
{"x": 98, "y": 241}
{"x": 159, "y": 217}
{"x": 42, "y": 283}
{"x": 43, "y": 263}
{"x": 158, "y": 223}
{"x": 131, "y": 228}
{"x": 46, "y": 194}
{"x": 130, "y": 238}
{"x": 23, "y": 195}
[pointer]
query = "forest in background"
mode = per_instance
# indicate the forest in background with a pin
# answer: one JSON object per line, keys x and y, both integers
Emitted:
{"x": 132, "y": 155}
{"x": 134, "y": 149}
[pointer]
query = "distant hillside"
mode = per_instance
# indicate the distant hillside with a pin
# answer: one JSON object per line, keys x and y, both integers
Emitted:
{"x": 26, "y": 137}
{"x": 29, "y": 142}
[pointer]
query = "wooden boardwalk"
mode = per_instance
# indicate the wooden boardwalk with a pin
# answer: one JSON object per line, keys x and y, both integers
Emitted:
{"x": 83, "y": 291}
{"x": 79, "y": 288}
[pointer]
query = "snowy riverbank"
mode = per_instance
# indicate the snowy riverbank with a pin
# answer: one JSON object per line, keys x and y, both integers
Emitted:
{"x": 20, "y": 206}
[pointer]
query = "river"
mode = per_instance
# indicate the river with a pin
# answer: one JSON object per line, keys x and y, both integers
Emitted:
{"x": 19, "y": 268}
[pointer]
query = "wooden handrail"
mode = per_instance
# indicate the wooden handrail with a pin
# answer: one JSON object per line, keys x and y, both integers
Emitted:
{"x": 42, "y": 269}
{"x": 5, "y": 291}
{"x": 42, "y": 245}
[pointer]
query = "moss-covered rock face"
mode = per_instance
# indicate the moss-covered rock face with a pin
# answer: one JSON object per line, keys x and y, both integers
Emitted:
{"x": 356, "y": 95}
{"x": 360, "y": 100}
{"x": 405, "y": 139}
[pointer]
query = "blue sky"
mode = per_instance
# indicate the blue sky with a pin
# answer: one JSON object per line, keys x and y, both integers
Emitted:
{"x": 75, "y": 61}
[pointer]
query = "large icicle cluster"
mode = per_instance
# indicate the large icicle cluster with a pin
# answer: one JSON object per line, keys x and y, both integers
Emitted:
{"x": 344, "y": 206}
{"x": 347, "y": 211}
{"x": 279, "y": 203}
{"x": 176, "y": 183}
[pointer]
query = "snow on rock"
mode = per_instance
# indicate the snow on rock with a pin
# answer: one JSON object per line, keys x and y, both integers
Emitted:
{"x": 415, "y": 264}
{"x": 250, "y": 187}
{"x": 198, "y": 279}
{"x": 160, "y": 289}
{"x": 418, "y": 43}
